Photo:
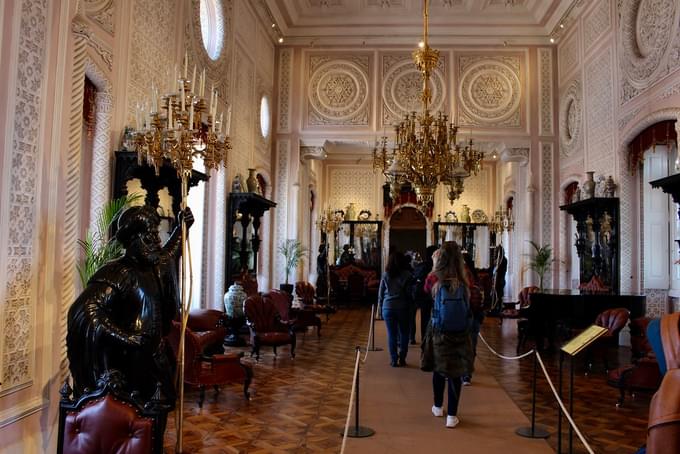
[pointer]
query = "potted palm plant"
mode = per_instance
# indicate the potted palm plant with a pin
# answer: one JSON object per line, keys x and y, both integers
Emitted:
{"x": 294, "y": 253}
{"x": 540, "y": 261}
{"x": 97, "y": 247}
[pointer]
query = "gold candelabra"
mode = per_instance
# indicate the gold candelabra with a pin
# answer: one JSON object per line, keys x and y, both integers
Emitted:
{"x": 426, "y": 150}
{"x": 176, "y": 128}
{"x": 501, "y": 221}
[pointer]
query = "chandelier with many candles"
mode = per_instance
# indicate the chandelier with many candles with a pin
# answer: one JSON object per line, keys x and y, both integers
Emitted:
{"x": 426, "y": 150}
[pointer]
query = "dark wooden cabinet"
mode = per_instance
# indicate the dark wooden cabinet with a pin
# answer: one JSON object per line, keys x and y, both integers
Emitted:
{"x": 597, "y": 240}
{"x": 367, "y": 235}
{"x": 244, "y": 210}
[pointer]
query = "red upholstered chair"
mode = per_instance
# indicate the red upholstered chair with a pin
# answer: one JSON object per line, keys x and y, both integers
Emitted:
{"x": 266, "y": 327}
{"x": 209, "y": 326}
{"x": 639, "y": 344}
{"x": 248, "y": 282}
{"x": 642, "y": 375}
{"x": 614, "y": 320}
{"x": 109, "y": 420}
{"x": 214, "y": 370}
{"x": 300, "y": 319}
{"x": 355, "y": 287}
{"x": 305, "y": 291}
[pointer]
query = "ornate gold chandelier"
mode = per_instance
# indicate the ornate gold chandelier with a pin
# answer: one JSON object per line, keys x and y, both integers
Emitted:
{"x": 426, "y": 150}
{"x": 185, "y": 127}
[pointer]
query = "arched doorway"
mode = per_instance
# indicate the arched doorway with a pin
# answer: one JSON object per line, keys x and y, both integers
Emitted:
{"x": 408, "y": 230}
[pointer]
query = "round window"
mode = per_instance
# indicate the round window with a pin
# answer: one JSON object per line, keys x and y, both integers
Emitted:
{"x": 212, "y": 27}
{"x": 265, "y": 122}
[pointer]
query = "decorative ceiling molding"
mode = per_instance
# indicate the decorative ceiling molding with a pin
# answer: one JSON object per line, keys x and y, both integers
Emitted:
{"x": 312, "y": 153}
{"x": 399, "y": 22}
{"x": 82, "y": 30}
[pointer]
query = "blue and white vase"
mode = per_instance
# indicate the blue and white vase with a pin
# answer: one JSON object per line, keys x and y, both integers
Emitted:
{"x": 233, "y": 301}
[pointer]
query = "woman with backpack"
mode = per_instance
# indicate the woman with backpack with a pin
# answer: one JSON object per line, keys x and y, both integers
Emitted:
{"x": 447, "y": 347}
{"x": 395, "y": 301}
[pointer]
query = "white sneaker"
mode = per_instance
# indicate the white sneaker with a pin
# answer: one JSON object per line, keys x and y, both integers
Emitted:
{"x": 437, "y": 411}
{"x": 452, "y": 421}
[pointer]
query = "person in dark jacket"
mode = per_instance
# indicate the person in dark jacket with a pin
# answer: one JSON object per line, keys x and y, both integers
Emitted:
{"x": 450, "y": 353}
{"x": 394, "y": 299}
{"x": 421, "y": 297}
{"x": 476, "y": 306}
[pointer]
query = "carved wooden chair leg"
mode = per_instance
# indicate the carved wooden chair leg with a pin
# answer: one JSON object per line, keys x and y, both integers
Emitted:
{"x": 275, "y": 351}
{"x": 246, "y": 383}
{"x": 201, "y": 396}
{"x": 217, "y": 391}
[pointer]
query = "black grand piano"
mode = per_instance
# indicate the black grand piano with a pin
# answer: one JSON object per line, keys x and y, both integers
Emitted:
{"x": 552, "y": 314}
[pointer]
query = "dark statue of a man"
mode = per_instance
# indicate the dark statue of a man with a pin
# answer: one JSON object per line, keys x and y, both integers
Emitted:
{"x": 121, "y": 318}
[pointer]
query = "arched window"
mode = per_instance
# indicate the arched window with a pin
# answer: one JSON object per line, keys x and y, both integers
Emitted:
{"x": 265, "y": 117}
{"x": 212, "y": 27}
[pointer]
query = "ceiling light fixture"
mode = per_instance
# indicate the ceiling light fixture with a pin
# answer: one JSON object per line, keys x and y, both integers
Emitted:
{"x": 426, "y": 150}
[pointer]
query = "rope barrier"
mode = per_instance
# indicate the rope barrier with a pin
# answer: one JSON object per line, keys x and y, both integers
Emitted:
{"x": 351, "y": 399}
{"x": 561, "y": 404}
{"x": 370, "y": 336}
{"x": 523, "y": 355}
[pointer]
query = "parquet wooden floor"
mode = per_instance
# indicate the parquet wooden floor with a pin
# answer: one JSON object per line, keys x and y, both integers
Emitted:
{"x": 299, "y": 405}
{"x": 607, "y": 429}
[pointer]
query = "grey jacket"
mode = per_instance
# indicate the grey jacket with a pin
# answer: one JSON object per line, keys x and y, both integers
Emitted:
{"x": 394, "y": 292}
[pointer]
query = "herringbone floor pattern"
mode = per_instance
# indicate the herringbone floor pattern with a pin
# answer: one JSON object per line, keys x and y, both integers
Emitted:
{"x": 299, "y": 405}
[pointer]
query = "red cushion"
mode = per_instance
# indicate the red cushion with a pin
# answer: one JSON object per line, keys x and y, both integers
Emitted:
{"x": 107, "y": 426}
{"x": 274, "y": 338}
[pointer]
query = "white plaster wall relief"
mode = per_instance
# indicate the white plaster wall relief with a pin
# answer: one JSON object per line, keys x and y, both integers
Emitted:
{"x": 17, "y": 355}
{"x": 245, "y": 23}
{"x": 80, "y": 29}
{"x": 599, "y": 107}
{"x": 265, "y": 56}
{"x": 623, "y": 121}
{"x": 283, "y": 150}
{"x": 547, "y": 192}
{"x": 490, "y": 91}
{"x": 338, "y": 90}
{"x": 101, "y": 11}
{"x": 152, "y": 50}
{"x": 352, "y": 185}
{"x": 545, "y": 77}
{"x": 647, "y": 36}
{"x": 101, "y": 151}
{"x": 284, "y": 89}
{"x": 568, "y": 55}
{"x": 571, "y": 119}
{"x": 402, "y": 86}
{"x": 597, "y": 23}
{"x": 243, "y": 122}
{"x": 310, "y": 152}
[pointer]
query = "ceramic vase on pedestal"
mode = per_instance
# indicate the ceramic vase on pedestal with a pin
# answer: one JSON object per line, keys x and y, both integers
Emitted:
{"x": 589, "y": 186}
{"x": 351, "y": 214}
{"x": 465, "y": 214}
{"x": 609, "y": 187}
{"x": 233, "y": 306}
{"x": 251, "y": 182}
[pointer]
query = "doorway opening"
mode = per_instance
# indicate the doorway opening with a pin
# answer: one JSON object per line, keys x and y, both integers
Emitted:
{"x": 408, "y": 231}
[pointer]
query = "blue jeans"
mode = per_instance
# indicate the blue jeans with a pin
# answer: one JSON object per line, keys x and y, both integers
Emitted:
{"x": 397, "y": 324}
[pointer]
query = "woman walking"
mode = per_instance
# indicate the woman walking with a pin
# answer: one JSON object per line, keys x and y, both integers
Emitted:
{"x": 447, "y": 344}
{"x": 395, "y": 301}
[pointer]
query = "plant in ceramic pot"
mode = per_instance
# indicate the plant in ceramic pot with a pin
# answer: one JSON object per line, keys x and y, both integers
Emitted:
{"x": 540, "y": 261}
{"x": 294, "y": 253}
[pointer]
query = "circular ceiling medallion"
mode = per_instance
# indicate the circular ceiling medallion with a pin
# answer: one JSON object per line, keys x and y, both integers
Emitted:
{"x": 571, "y": 113}
{"x": 338, "y": 90}
{"x": 403, "y": 87}
{"x": 646, "y": 30}
{"x": 490, "y": 91}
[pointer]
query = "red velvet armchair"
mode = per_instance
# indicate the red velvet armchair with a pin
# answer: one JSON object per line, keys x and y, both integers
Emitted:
{"x": 299, "y": 318}
{"x": 266, "y": 327}
{"x": 109, "y": 420}
{"x": 307, "y": 294}
{"x": 209, "y": 327}
{"x": 214, "y": 370}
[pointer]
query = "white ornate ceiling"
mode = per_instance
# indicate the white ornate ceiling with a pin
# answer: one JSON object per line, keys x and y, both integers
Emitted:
{"x": 380, "y": 22}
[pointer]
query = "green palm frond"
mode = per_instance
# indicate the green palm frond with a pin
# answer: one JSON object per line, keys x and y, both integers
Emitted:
{"x": 540, "y": 261}
{"x": 97, "y": 248}
{"x": 293, "y": 252}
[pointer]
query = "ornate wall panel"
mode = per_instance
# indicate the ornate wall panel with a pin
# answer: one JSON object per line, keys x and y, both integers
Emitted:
{"x": 597, "y": 23}
{"x": 101, "y": 11}
{"x": 151, "y": 48}
{"x": 568, "y": 55}
{"x": 648, "y": 43}
{"x": 352, "y": 184}
{"x": 657, "y": 302}
{"x": 490, "y": 91}
{"x": 283, "y": 150}
{"x": 545, "y": 81}
{"x": 402, "y": 86}
{"x": 18, "y": 302}
{"x": 599, "y": 100}
{"x": 265, "y": 55}
{"x": 245, "y": 23}
{"x": 243, "y": 120}
{"x": 547, "y": 191}
{"x": 571, "y": 119}
{"x": 284, "y": 89}
{"x": 93, "y": 42}
{"x": 338, "y": 90}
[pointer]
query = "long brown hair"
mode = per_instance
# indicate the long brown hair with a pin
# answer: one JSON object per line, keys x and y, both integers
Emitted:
{"x": 449, "y": 267}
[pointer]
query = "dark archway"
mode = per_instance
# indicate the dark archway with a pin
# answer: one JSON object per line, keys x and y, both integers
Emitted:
{"x": 408, "y": 230}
